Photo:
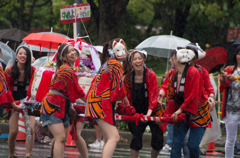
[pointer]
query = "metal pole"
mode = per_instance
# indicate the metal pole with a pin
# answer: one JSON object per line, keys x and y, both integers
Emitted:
{"x": 78, "y": 23}
{"x": 167, "y": 68}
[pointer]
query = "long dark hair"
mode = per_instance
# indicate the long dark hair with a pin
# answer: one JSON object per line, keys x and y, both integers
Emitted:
{"x": 28, "y": 68}
{"x": 237, "y": 49}
{"x": 127, "y": 63}
{"x": 62, "y": 51}
{"x": 108, "y": 45}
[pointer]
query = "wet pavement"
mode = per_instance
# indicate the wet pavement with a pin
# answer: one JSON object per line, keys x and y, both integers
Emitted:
{"x": 122, "y": 151}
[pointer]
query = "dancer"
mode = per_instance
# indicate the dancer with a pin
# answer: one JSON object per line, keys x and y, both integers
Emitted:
{"x": 229, "y": 85}
{"x": 18, "y": 77}
{"x": 105, "y": 90}
{"x": 142, "y": 92}
{"x": 206, "y": 101}
{"x": 184, "y": 92}
{"x": 6, "y": 98}
{"x": 63, "y": 91}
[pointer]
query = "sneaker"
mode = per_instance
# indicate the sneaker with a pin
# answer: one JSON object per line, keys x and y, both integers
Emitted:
{"x": 166, "y": 148}
{"x": 96, "y": 144}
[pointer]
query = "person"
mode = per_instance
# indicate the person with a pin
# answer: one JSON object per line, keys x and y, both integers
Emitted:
{"x": 230, "y": 87}
{"x": 183, "y": 98}
{"x": 214, "y": 133}
{"x": 142, "y": 91}
{"x": 6, "y": 99}
{"x": 63, "y": 90}
{"x": 207, "y": 100}
{"x": 18, "y": 77}
{"x": 105, "y": 89}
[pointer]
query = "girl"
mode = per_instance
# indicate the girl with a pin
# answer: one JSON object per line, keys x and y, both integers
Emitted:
{"x": 230, "y": 102}
{"x": 18, "y": 77}
{"x": 105, "y": 90}
{"x": 142, "y": 92}
{"x": 63, "y": 91}
{"x": 184, "y": 91}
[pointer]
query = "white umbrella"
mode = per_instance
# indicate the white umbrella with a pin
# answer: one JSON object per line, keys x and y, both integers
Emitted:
{"x": 161, "y": 45}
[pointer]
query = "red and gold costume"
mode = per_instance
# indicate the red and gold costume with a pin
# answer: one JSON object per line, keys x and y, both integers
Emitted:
{"x": 105, "y": 89}
{"x": 192, "y": 93}
{"x": 203, "y": 118}
{"x": 5, "y": 93}
{"x": 64, "y": 89}
{"x": 224, "y": 89}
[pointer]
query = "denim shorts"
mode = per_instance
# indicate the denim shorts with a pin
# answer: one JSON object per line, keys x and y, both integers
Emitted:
{"x": 48, "y": 120}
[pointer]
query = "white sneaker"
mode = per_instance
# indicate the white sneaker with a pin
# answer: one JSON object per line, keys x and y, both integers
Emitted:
{"x": 96, "y": 145}
{"x": 166, "y": 148}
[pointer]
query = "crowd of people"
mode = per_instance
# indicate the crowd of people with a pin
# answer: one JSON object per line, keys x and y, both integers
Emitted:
{"x": 124, "y": 76}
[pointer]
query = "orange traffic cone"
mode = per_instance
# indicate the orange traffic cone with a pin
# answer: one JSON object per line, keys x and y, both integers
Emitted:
{"x": 21, "y": 129}
{"x": 70, "y": 141}
{"x": 211, "y": 150}
{"x": 211, "y": 146}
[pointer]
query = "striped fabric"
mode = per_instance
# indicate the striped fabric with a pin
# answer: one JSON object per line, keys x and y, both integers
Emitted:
{"x": 106, "y": 89}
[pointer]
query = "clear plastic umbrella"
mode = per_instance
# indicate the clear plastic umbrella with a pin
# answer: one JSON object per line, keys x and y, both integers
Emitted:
{"x": 160, "y": 45}
{"x": 8, "y": 55}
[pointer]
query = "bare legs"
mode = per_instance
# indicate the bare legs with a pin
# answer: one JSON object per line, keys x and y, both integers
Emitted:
{"x": 80, "y": 143}
{"x": 111, "y": 136}
{"x": 29, "y": 143}
{"x": 13, "y": 131}
{"x": 59, "y": 133}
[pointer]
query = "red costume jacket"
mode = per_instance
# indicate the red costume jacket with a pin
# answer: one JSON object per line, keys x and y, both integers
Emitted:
{"x": 5, "y": 93}
{"x": 64, "y": 88}
{"x": 106, "y": 88}
{"x": 152, "y": 87}
{"x": 192, "y": 93}
{"x": 224, "y": 89}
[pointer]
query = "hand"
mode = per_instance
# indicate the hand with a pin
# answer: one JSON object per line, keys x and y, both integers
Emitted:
{"x": 158, "y": 122}
{"x": 175, "y": 115}
{"x": 211, "y": 102}
{"x": 72, "y": 113}
{"x": 160, "y": 98}
{"x": 16, "y": 107}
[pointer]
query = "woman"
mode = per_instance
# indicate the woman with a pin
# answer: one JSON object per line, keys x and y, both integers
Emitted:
{"x": 105, "y": 90}
{"x": 142, "y": 92}
{"x": 63, "y": 91}
{"x": 229, "y": 85}
{"x": 184, "y": 92}
{"x": 18, "y": 77}
{"x": 6, "y": 98}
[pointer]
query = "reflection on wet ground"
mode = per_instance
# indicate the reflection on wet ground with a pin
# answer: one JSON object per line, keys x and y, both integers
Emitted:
{"x": 122, "y": 151}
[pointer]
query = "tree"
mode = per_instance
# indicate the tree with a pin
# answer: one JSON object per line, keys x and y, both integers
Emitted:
{"x": 110, "y": 13}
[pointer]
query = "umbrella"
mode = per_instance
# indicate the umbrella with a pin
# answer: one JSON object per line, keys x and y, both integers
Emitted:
{"x": 161, "y": 45}
{"x": 48, "y": 40}
{"x": 13, "y": 34}
{"x": 37, "y": 48}
{"x": 8, "y": 55}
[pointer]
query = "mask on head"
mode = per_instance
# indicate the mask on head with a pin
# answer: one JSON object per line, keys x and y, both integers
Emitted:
{"x": 185, "y": 55}
{"x": 119, "y": 49}
{"x": 197, "y": 48}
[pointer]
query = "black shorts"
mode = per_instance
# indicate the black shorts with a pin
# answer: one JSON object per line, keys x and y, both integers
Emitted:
{"x": 137, "y": 132}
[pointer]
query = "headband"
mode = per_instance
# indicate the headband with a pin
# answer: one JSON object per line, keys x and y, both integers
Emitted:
{"x": 142, "y": 52}
{"x": 63, "y": 51}
{"x": 22, "y": 47}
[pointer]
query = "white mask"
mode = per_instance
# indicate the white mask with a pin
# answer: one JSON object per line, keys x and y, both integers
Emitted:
{"x": 119, "y": 49}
